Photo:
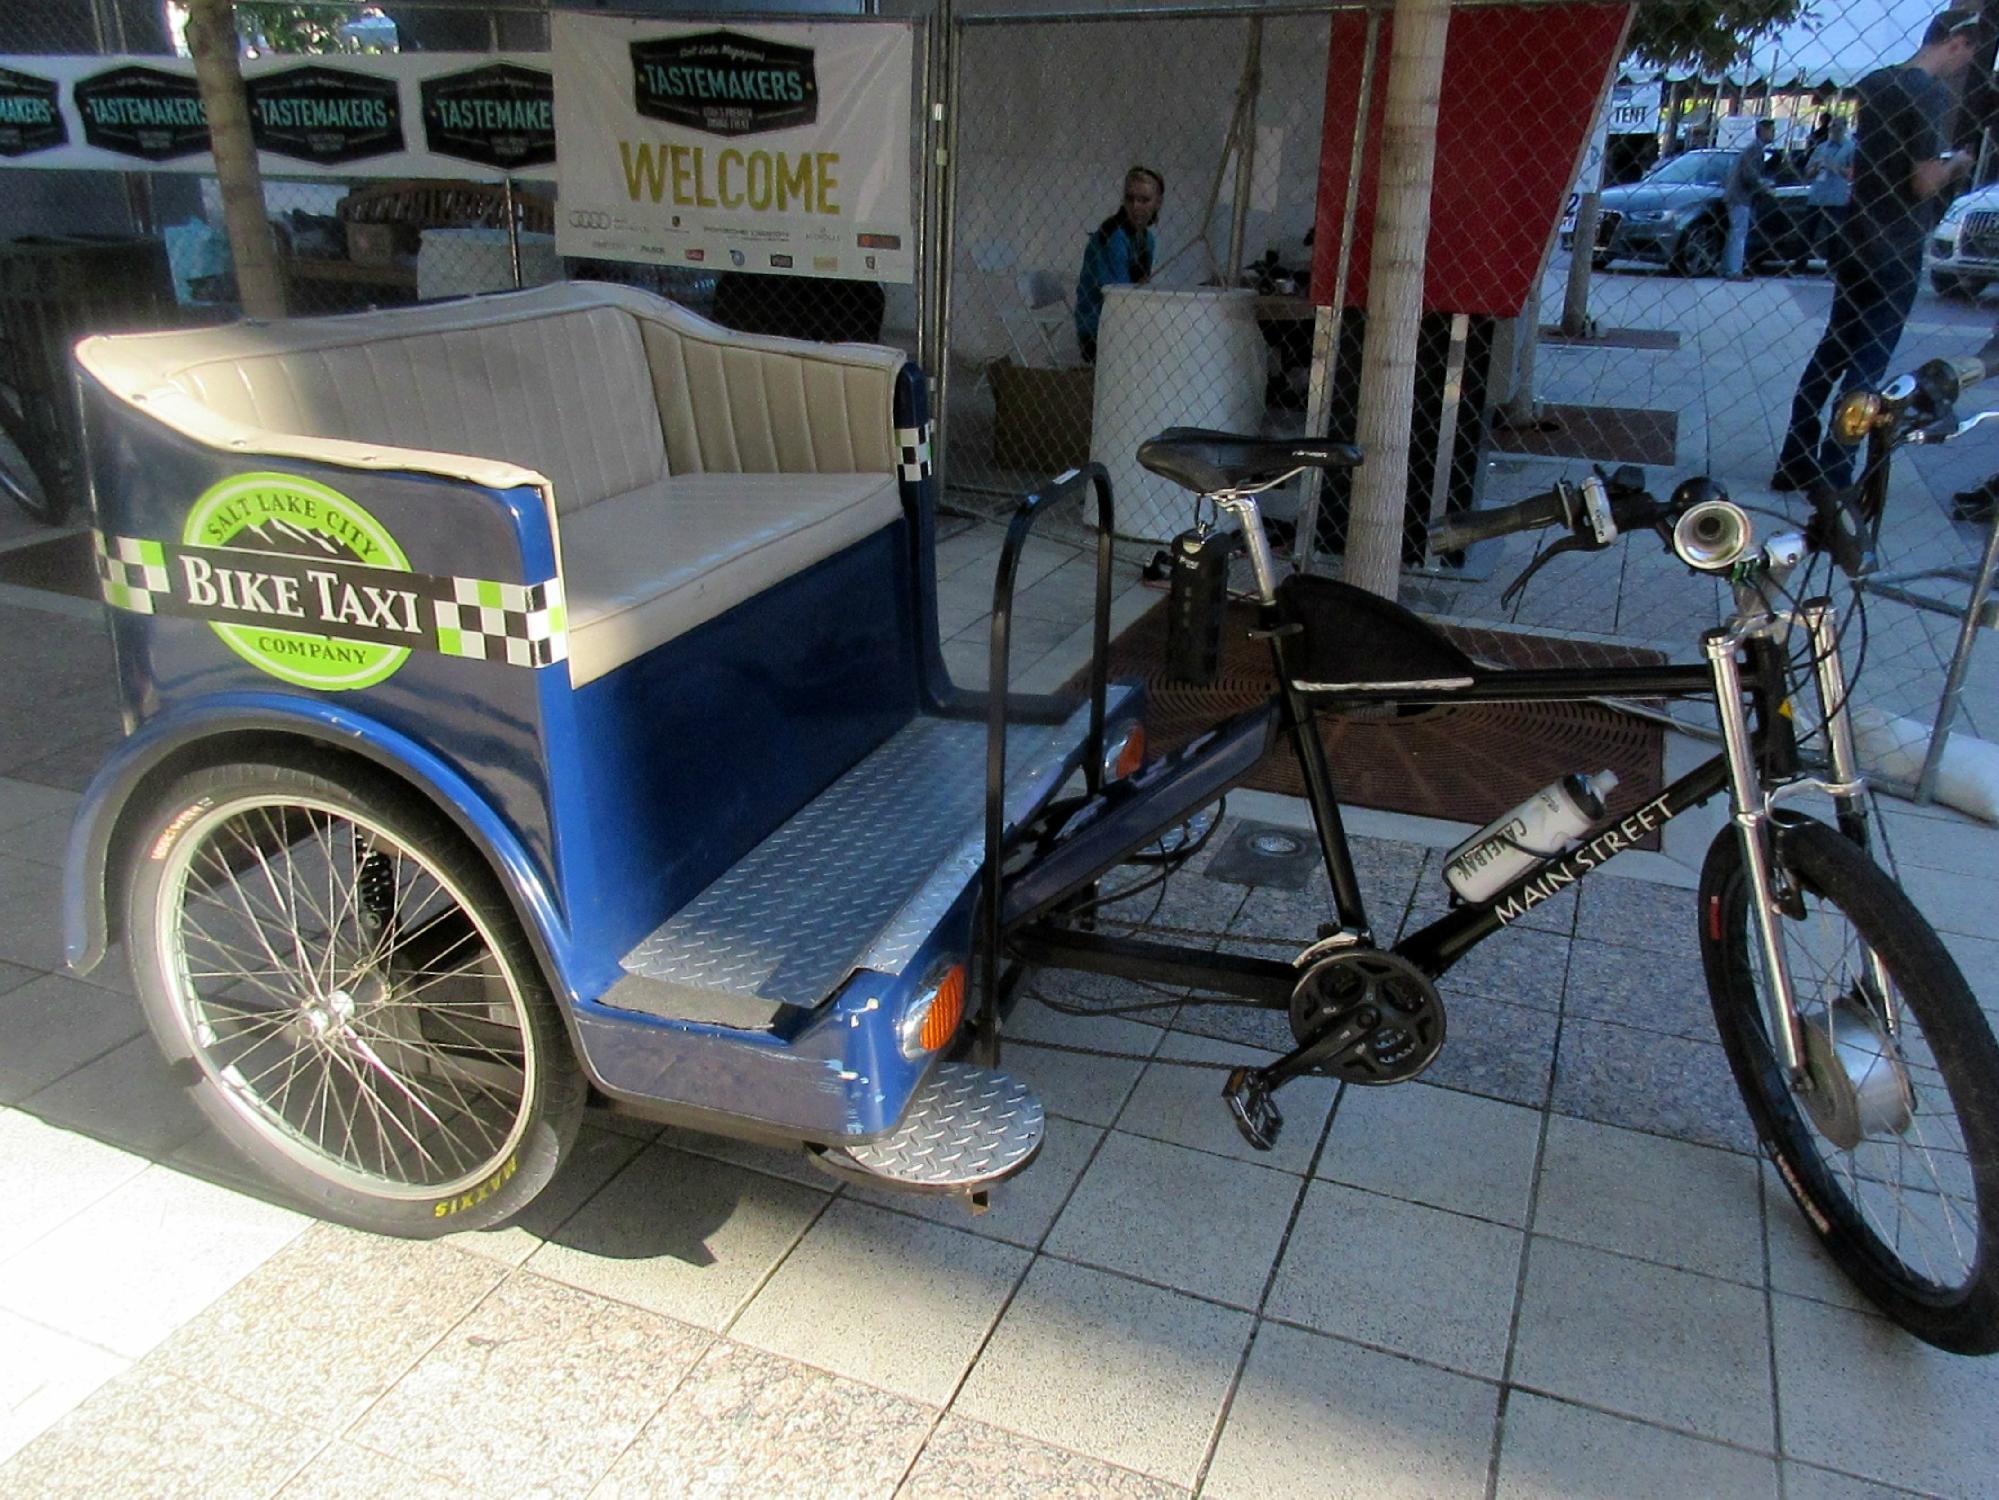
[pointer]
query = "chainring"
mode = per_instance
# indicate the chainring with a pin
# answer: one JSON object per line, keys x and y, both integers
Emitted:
{"x": 1410, "y": 1031}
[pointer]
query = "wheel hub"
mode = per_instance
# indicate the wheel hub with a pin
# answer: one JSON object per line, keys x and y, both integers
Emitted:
{"x": 1858, "y": 1086}
{"x": 322, "y": 1016}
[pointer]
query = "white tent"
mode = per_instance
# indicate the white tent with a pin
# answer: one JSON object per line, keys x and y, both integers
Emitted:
{"x": 1836, "y": 45}
{"x": 1828, "y": 45}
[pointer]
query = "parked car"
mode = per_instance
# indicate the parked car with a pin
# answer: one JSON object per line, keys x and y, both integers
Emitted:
{"x": 1964, "y": 251}
{"x": 1674, "y": 217}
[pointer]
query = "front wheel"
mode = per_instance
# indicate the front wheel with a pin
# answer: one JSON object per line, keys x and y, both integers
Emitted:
{"x": 1946, "y": 284}
{"x": 1890, "y": 1143}
{"x": 347, "y": 992}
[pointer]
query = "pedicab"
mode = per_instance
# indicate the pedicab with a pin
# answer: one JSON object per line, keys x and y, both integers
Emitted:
{"x": 538, "y": 698}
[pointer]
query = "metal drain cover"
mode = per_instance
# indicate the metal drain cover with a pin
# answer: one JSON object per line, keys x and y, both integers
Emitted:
{"x": 1266, "y": 854}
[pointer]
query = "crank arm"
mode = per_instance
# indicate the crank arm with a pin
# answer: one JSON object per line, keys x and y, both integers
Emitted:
{"x": 1248, "y": 1090}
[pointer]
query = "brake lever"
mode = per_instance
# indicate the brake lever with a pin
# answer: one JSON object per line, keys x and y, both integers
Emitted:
{"x": 1541, "y": 559}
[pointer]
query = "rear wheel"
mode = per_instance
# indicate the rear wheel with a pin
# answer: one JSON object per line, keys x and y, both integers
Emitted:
{"x": 354, "y": 1002}
{"x": 1890, "y": 1145}
{"x": 1699, "y": 252}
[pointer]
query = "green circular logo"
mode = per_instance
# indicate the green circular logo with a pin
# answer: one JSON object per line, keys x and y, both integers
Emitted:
{"x": 300, "y": 519}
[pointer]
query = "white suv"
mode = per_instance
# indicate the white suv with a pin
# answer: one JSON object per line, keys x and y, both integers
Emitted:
{"x": 1964, "y": 251}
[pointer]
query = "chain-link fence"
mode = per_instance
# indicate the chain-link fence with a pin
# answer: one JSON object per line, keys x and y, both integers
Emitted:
{"x": 1657, "y": 350}
{"x": 1067, "y": 308}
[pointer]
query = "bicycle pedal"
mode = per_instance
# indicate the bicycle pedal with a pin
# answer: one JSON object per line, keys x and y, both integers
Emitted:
{"x": 1256, "y": 1113}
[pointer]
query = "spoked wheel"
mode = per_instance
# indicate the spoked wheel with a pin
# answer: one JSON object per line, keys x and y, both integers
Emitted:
{"x": 1890, "y": 1144}
{"x": 362, "y": 1013}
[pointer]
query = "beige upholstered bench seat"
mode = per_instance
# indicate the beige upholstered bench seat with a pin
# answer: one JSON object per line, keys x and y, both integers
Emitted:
{"x": 650, "y": 565}
{"x": 685, "y": 468}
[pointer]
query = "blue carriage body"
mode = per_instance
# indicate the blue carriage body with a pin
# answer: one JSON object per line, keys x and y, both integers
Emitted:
{"x": 621, "y": 670}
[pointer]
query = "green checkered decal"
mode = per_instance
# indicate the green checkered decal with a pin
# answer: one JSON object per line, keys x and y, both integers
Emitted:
{"x": 133, "y": 573}
{"x": 523, "y": 626}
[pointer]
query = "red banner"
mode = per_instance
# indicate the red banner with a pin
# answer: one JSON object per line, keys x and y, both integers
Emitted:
{"x": 1520, "y": 89}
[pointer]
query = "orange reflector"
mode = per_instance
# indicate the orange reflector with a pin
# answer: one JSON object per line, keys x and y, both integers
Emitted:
{"x": 1132, "y": 756}
{"x": 941, "y": 1024}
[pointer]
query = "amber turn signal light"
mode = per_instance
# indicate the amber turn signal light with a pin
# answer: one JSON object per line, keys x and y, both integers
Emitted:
{"x": 932, "y": 1018}
{"x": 1128, "y": 756}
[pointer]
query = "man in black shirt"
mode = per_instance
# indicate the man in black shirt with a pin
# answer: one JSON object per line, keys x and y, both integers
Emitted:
{"x": 1899, "y": 167}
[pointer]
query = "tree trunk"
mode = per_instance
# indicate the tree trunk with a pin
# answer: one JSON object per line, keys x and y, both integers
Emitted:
{"x": 1395, "y": 294}
{"x": 211, "y": 37}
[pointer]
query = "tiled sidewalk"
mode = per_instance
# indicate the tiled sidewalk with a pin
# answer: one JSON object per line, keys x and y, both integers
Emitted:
{"x": 1546, "y": 1269}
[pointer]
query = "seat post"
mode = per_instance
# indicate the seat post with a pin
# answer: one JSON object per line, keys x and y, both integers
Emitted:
{"x": 1244, "y": 508}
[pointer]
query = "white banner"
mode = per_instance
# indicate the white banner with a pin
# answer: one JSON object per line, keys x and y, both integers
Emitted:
{"x": 412, "y": 114}
{"x": 780, "y": 149}
{"x": 1634, "y": 108}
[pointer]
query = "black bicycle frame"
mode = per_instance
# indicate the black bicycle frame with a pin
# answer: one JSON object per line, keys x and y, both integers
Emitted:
{"x": 1196, "y": 777}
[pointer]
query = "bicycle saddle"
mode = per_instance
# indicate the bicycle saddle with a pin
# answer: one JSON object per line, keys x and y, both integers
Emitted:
{"x": 1205, "y": 461}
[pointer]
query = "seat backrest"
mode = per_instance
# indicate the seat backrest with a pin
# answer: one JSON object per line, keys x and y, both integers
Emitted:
{"x": 731, "y": 406}
{"x": 568, "y": 393}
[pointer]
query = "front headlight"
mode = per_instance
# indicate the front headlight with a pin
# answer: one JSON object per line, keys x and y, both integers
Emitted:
{"x": 1647, "y": 215}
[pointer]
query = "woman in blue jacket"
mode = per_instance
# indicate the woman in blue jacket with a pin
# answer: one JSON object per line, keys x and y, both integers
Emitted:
{"x": 1119, "y": 253}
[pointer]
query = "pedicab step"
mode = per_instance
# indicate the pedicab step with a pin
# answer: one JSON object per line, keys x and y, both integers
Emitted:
{"x": 859, "y": 878}
{"x": 966, "y": 1129}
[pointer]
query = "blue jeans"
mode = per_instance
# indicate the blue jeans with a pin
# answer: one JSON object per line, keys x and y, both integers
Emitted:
{"x": 1870, "y": 303}
{"x": 1739, "y": 215}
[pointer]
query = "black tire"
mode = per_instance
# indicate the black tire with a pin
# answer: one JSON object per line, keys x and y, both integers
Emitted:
{"x": 1946, "y": 285}
{"x": 346, "y": 991}
{"x": 1926, "y": 1157}
{"x": 1699, "y": 250}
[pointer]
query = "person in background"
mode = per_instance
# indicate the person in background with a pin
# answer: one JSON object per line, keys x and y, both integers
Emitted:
{"x": 1744, "y": 188}
{"x": 1899, "y": 168}
{"x": 1119, "y": 252}
{"x": 1829, "y": 171}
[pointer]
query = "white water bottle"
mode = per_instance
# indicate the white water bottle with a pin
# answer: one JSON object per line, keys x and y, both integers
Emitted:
{"x": 1546, "y": 824}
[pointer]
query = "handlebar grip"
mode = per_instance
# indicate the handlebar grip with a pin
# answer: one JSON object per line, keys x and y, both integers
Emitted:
{"x": 1529, "y": 515}
{"x": 1971, "y": 369}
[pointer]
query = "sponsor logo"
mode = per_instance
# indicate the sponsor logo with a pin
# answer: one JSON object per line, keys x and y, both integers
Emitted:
{"x": 879, "y": 241}
{"x": 782, "y": 262}
{"x": 676, "y": 221}
{"x": 311, "y": 557}
{"x": 724, "y": 83}
{"x": 697, "y": 254}
{"x": 177, "y": 827}
{"x": 325, "y": 115}
{"x": 871, "y": 262}
{"x": 821, "y": 234}
{"x": 825, "y": 262}
{"x": 142, "y": 112}
{"x": 737, "y": 258}
{"x": 449, "y": 1206}
{"x": 29, "y": 119}
{"x": 501, "y": 115}
{"x": 589, "y": 218}
{"x": 1568, "y": 870}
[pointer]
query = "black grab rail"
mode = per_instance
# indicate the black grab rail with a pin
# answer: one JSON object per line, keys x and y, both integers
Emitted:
{"x": 998, "y": 682}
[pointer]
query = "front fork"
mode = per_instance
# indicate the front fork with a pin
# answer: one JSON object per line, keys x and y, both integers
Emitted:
{"x": 1751, "y": 816}
{"x": 1751, "y": 810}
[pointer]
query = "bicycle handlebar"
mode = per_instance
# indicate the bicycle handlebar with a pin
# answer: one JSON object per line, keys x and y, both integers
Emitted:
{"x": 1530, "y": 514}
